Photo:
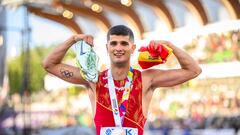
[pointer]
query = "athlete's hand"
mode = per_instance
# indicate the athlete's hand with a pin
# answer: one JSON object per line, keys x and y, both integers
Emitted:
{"x": 87, "y": 38}
{"x": 159, "y": 48}
{"x": 155, "y": 43}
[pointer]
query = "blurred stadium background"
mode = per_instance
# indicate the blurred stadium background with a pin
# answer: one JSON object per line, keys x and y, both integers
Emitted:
{"x": 33, "y": 102}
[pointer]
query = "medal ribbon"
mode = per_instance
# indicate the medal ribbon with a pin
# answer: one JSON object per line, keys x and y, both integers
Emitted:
{"x": 119, "y": 112}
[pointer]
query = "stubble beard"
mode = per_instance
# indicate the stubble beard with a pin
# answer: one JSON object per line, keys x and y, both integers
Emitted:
{"x": 121, "y": 63}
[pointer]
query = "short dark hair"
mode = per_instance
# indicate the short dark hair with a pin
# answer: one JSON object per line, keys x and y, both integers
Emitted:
{"x": 120, "y": 30}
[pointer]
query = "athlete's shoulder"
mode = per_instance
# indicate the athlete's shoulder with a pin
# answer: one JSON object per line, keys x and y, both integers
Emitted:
{"x": 103, "y": 72}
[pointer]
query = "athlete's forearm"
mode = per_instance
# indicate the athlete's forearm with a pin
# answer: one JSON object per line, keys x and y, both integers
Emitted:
{"x": 55, "y": 57}
{"x": 184, "y": 59}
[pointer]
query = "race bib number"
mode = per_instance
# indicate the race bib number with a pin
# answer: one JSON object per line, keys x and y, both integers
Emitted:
{"x": 118, "y": 131}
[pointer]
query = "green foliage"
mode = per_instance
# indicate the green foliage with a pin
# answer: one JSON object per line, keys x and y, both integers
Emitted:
{"x": 15, "y": 73}
{"x": 70, "y": 55}
{"x": 226, "y": 55}
{"x": 36, "y": 73}
{"x": 75, "y": 90}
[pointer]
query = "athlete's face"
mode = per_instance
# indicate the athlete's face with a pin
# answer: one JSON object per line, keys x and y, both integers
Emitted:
{"x": 120, "y": 49}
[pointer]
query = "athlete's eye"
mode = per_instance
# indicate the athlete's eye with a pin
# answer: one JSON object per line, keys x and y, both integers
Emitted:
{"x": 124, "y": 43}
{"x": 113, "y": 43}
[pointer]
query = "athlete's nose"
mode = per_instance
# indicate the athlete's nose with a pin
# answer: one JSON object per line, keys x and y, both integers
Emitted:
{"x": 118, "y": 46}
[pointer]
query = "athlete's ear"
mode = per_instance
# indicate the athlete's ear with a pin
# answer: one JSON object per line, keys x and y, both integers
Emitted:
{"x": 107, "y": 46}
{"x": 133, "y": 48}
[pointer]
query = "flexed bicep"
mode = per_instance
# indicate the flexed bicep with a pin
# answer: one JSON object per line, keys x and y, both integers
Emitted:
{"x": 53, "y": 62}
{"x": 166, "y": 78}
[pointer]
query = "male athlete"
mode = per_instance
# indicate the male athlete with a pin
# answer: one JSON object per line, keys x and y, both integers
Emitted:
{"x": 121, "y": 96}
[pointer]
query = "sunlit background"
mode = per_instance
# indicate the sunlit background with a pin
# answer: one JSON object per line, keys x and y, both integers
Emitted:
{"x": 33, "y": 102}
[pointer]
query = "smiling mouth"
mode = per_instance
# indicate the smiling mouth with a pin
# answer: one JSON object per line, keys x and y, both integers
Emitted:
{"x": 118, "y": 54}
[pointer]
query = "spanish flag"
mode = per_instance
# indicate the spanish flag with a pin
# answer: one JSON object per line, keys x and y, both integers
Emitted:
{"x": 150, "y": 55}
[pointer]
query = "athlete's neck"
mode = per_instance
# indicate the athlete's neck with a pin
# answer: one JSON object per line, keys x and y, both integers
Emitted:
{"x": 120, "y": 73}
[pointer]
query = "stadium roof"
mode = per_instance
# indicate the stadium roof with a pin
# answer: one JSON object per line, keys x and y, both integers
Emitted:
{"x": 66, "y": 11}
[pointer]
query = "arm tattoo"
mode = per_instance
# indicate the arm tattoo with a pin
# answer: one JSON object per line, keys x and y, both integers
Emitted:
{"x": 66, "y": 73}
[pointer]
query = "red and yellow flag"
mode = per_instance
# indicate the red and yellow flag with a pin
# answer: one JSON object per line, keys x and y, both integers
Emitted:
{"x": 150, "y": 55}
